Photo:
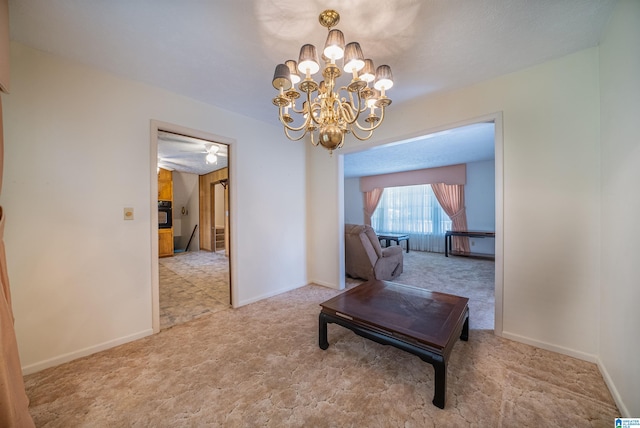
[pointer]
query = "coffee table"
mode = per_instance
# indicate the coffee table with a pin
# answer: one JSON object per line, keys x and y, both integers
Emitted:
{"x": 424, "y": 323}
{"x": 390, "y": 237}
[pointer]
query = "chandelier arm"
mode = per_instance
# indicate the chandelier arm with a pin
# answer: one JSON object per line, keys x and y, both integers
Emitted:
{"x": 312, "y": 106}
{"x": 348, "y": 112}
{"x": 315, "y": 143}
{"x": 372, "y": 127}
{"x": 292, "y": 128}
{"x": 355, "y": 134}
{"x": 286, "y": 131}
{"x": 360, "y": 108}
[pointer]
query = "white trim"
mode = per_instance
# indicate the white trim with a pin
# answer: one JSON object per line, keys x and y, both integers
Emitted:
{"x": 326, "y": 284}
{"x": 592, "y": 358}
{"x": 155, "y": 280}
{"x": 624, "y": 411}
{"x": 65, "y": 358}
{"x": 498, "y": 165}
{"x": 267, "y": 295}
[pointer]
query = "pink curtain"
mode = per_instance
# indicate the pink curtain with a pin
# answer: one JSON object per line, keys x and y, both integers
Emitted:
{"x": 451, "y": 198}
{"x": 14, "y": 404}
{"x": 371, "y": 200}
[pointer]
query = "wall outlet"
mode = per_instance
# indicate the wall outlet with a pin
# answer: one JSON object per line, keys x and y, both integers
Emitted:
{"x": 128, "y": 213}
{"x": 473, "y": 243}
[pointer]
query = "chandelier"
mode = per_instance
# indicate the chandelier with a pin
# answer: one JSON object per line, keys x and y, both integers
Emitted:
{"x": 329, "y": 112}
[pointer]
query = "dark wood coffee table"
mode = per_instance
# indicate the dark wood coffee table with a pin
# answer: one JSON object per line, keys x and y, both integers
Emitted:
{"x": 422, "y": 322}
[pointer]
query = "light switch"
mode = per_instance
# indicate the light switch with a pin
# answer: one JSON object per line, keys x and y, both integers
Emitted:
{"x": 128, "y": 213}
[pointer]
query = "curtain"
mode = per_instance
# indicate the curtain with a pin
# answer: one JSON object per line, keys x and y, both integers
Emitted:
{"x": 413, "y": 210}
{"x": 14, "y": 404}
{"x": 451, "y": 198}
{"x": 371, "y": 200}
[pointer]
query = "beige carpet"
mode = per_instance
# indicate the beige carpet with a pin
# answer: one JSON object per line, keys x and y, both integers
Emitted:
{"x": 260, "y": 365}
{"x": 463, "y": 276}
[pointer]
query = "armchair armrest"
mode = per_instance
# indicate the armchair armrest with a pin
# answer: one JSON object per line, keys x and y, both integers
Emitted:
{"x": 391, "y": 251}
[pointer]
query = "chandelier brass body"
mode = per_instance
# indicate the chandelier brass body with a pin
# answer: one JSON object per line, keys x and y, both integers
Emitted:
{"x": 329, "y": 111}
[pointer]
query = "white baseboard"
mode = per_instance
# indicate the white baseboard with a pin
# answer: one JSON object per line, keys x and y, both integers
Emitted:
{"x": 614, "y": 392}
{"x": 65, "y": 358}
{"x": 550, "y": 347}
{"x": 324, "y": 284}
{"x": 267, "y": 295}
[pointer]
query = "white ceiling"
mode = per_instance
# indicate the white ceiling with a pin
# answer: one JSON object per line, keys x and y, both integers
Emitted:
{"x": 472, "y": 143}
{"x": 185, "y": 154}
{"x": 224, "y": 52}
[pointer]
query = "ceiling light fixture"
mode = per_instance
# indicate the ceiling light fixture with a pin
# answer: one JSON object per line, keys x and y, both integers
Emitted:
{"x": 325, "y": 115}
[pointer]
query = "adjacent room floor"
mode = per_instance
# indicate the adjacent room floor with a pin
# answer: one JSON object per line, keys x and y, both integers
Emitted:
{"x": 463, "y": 276}
{"x": 192, "y": 284}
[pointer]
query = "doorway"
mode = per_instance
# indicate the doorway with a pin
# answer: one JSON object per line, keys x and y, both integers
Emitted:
{"x": 495, "y": 120}
{"x": 192, "y": 271}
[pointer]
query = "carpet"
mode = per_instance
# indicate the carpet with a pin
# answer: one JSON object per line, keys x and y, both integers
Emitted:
{"x": 463, "y": 276}
{"x": 260, "y": 366}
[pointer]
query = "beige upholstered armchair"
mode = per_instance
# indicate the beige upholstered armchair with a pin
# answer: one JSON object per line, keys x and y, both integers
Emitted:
{"x": 365, "y": 258}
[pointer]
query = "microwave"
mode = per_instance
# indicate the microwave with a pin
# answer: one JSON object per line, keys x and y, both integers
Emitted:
{"x": 165, "y": 219}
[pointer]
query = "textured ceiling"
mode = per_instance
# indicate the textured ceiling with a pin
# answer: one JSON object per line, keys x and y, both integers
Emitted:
{"x": 224, "y": 52}
{"x": 186, "y": 154}
{"x": 470, "y": 143}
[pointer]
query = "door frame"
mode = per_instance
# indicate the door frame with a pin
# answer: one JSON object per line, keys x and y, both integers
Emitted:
{"x": 155, "y": 126}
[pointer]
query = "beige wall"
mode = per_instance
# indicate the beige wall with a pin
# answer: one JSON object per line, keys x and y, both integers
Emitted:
{"x": 551, "y": 197}
{"x": 619, "y": 292}
{"x": 77, "y": 144}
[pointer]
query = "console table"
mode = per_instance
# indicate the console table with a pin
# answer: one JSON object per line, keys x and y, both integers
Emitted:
{"x": 467, "y": 233}
{"x": 389, "y": 237}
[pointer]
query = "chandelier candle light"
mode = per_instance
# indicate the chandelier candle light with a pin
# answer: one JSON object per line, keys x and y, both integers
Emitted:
{"x": 325, "y": 115}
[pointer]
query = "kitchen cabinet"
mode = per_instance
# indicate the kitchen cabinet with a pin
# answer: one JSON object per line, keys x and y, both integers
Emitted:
{"x": 165, "y": 185}
{"x": 165, "y": 242}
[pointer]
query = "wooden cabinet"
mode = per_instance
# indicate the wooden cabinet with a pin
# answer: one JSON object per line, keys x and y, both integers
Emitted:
{"x": 219, "y": 239}
{"x": 165, "y": 193}
{"x": 165, "y": 185}
{"x": 165, "y": 242}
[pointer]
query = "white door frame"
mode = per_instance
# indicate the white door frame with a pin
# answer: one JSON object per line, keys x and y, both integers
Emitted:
{"x": 153, "y": 203}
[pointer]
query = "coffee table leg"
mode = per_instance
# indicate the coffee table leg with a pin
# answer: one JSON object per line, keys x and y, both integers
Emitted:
{"x": 440, "y": 369}
{"x": 465, "y": 330}
{"x": 322, "y": 331}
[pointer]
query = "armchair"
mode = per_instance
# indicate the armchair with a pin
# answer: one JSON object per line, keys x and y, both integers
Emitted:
{"x": 365, "y": 258}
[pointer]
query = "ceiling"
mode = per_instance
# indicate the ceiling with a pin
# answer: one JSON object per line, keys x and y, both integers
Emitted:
{"x": 224, "y": 52}
{"x": 472, "y": 143}
{"x": 185, "y": 154}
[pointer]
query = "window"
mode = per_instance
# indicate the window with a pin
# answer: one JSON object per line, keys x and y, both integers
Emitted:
{"x": 413, "y": 210}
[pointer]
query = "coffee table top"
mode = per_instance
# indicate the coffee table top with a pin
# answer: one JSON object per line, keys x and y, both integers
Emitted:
{"x": 428, "y": 317}
{"x": 383, "y": 235}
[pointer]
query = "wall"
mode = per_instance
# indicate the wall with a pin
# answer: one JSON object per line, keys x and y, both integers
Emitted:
{"x": 353, "y": 202}
{"x": 185, "y": 195}
{"x": 78, "y": 150}
{"x": 620, "y": 294}
{"x": 550, "y": 175}
{"x": 480, "y": 196}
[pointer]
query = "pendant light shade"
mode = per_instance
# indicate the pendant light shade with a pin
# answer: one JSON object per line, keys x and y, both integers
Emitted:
{"x": 368, "y": 72}
{"x": 308, "y": 60}
{"x": 384, "y": 78}
{"x": 353, "y": 57}
{"x": 281, "y": 77}
{"x": 334, "y": 46}
{"x": 293, "y": 71}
